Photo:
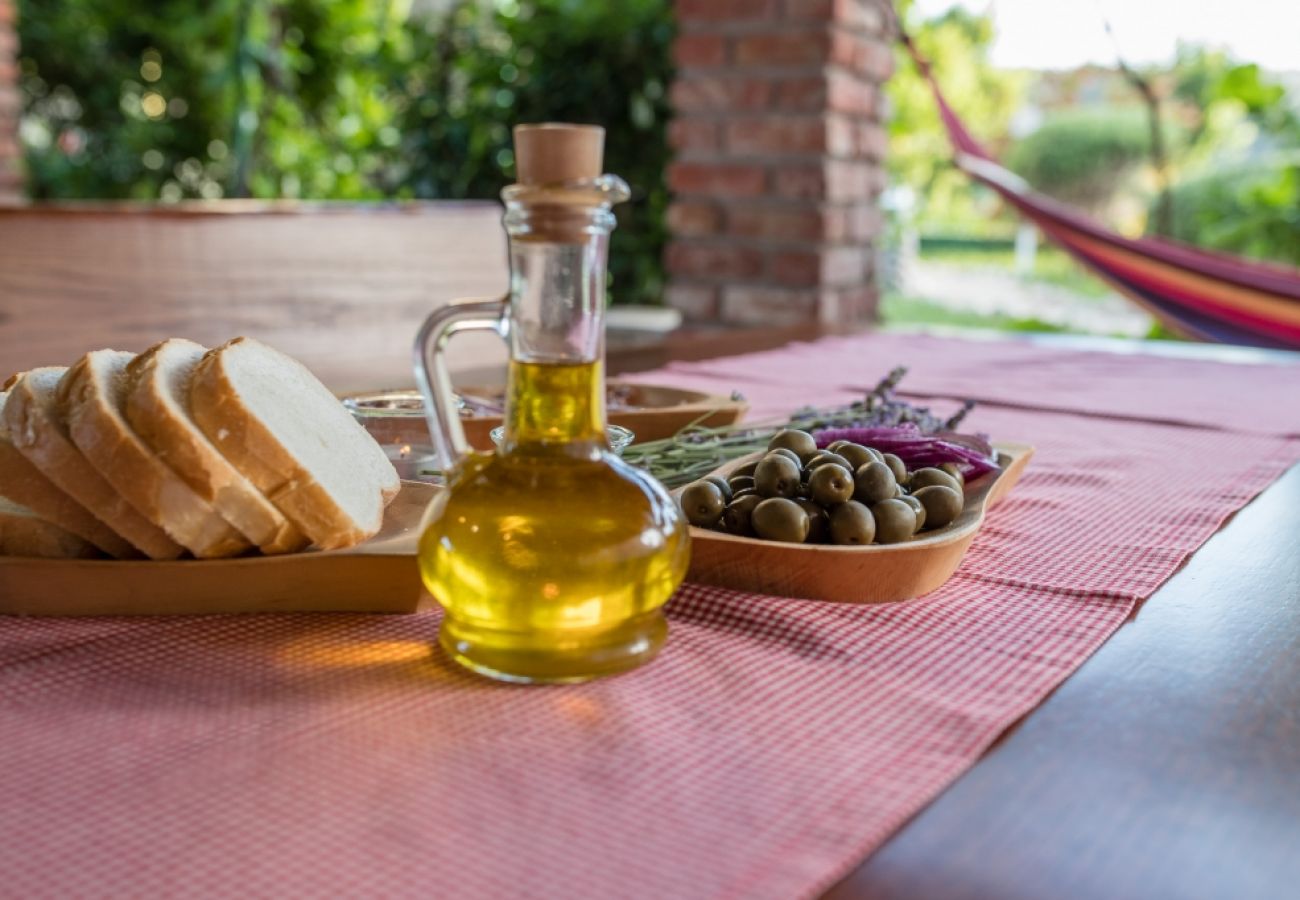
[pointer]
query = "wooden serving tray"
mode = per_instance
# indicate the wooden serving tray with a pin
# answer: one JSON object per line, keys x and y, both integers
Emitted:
{"x": 379, "y": 576}
{"x": 878, "y": 573}
{"x": 659, "y": 412}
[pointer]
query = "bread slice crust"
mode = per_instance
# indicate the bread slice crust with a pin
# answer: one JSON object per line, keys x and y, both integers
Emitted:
{"x": 23, "y": 484}
{"x": 157, "y": 397}
{"x": 23, "y": 533}
{"x": 40, "y": 434}
{"x": 219, "y": 408}
{"x": 91, "y": 395}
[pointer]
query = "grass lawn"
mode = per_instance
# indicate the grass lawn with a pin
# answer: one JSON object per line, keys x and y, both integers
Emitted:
{"x": 1051, "y": 265}
{"x": 899, "y": 309}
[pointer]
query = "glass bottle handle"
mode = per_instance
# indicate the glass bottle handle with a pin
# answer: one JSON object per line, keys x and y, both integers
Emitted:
{"x": 433, "y": 379}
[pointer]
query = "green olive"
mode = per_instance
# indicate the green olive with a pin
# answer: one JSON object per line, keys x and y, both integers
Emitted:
{"x": 955, "y": 471}
{"x": 917, "y": 507}
{"x": 779, "y": 519}
{"x": 786, "y": 451}
{"x": 873, "y": 483}
{"x": 740, "y": 482}
{"x": 722, "y": 486}
{"x": 942, "y": 504}
{"x": 922, "y": 478}
{"x": 852, "y": 523}
{"x": 830, "y": 484}
{"x": 858, "y": 455}
{"x": 819, "y": 521}
{"x": 736, "y": 519}
{"x": 743, "y": 492}
{"x": 896, "y": 466}
{"x": 703, "y": 504}
{"x": 834, "y": 446}
{"x": 895, "y": 521}
{"x": 800, "y": 442}
{"x": 747, "y": 469}
{"x": 823, "y": 457}
{"x": 777, "y": 476}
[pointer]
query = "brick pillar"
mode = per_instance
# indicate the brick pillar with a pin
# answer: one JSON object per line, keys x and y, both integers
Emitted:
{"x": 11, "y": 183}
{"x": 778, "y": 170}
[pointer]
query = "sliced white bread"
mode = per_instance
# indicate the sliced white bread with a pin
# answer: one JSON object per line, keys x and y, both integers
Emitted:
{"x": 39, "y": 433}
{"x": 91, "y": 397}
{"x": 22, "y": 483}
{"x": 282, "y": 428}
{"x": 157, "y": 407}
{"x": 23, "y": 533}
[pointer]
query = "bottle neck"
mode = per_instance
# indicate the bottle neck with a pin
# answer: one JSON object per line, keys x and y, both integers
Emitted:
{"x": 559, "y": 245}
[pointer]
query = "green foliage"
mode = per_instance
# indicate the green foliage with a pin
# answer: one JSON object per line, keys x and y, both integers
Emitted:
{"x": 1241, "y": 189}
{"x": 343, "y": 100}
{"x": 956, "y": 43}
{"x": 1082, "y": 155}
{"x": 1253, "y": 210}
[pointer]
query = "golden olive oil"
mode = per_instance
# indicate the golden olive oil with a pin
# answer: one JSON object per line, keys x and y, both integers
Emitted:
{"x": 553, "y": 557}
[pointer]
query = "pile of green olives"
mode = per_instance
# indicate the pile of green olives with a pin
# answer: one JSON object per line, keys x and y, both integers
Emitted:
{"x": 845, "y": 494}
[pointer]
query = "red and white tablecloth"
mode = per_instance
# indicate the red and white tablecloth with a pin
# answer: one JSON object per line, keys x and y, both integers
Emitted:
{"x": 771, "y": 746}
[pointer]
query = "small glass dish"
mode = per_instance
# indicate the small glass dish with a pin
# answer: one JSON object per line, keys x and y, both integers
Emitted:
{"x": 618, "y": 437}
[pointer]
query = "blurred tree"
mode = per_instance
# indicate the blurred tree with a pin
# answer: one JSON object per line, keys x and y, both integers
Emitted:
{"x": 957, "y": 45}
{"x": 342, "y": 99}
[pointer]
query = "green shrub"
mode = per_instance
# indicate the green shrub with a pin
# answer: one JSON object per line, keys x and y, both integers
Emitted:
{"x": 1251, "y": 210}
{"x": 343, "y": 100}
{"x": 1083, "y": 155}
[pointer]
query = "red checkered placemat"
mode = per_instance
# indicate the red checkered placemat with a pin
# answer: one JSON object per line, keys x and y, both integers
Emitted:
{"x": 1257, "y": 399}
{"x": 771, "y": 746}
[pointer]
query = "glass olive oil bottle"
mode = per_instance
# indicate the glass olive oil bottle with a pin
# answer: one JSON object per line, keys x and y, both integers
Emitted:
{"x": 552, "y": 558}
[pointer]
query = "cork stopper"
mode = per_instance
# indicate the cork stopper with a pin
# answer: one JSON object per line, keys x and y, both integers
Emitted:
{"x": 552, "y": 152}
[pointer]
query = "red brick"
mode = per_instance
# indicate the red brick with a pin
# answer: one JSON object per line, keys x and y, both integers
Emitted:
{"x": 856, "y": 222}
{"x": 10, "y": 100}
{"x": 795, "y": 181}
{"x": 816, "y": 10}
{"x": 8, "y": 13}
{"x": 864, "y": 56}
{"x": 871, "y": 140}
{"x": 689, "y": 11}
{"x": 693, "y": 219}
{"x": 8, "y": 43}
{"x": 693, "y": 135}
{"x": 841, "y": 136}
{"x": 694, "y": 301}
{"x": 787, "y": 134}
{"x": 697, "y": 94}
{"x": 768, "y": 305}
{"x": 806, "y": 94}
{"x": 713, "y": 261}
{"x": 859, "y": 15}
{"x": 799, "y": 48}
{"x": 699, "y": 50}
{"x": 786, "y": 222}
{"x": 801, "y": 268}
{"x": 850, "y": 94}
{"x": 716, "y": 179}
{"x": 841, "y": 266}
{"x": 848, "y": 305}
{"x": 849, "y": 180}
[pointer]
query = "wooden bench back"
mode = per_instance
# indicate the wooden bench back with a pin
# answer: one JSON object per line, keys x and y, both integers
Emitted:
{"x": 343, "y": 288}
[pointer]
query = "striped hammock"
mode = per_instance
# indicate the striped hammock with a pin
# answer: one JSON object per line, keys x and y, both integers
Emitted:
{"x": 1197, "y": 293}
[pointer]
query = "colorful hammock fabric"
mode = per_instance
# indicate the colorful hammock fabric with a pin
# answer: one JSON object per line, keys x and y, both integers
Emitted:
{"x": 1197, "y": 293}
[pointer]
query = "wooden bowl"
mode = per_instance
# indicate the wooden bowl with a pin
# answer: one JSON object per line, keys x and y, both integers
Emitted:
{"x": 654, "y": 412}
{"x": 878, "y": 573}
